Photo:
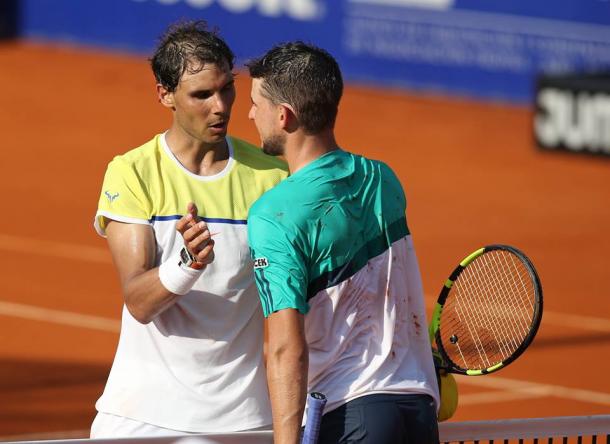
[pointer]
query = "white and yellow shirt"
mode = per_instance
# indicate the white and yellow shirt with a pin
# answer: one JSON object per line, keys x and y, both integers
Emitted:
{"x": 197, "y": 366}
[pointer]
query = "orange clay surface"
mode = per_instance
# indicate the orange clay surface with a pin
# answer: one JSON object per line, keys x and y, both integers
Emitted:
{"x": 471, "y": 172}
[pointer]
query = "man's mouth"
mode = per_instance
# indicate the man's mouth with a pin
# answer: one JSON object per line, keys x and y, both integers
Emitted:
{"x": 219, "y": 125}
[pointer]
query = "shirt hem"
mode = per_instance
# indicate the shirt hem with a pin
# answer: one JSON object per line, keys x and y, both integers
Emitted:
{"x": 183, "y": 427}
{"x": 108, "y": 215}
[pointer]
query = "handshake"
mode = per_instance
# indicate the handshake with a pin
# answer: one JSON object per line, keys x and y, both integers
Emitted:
{"x": 198, "y": 242}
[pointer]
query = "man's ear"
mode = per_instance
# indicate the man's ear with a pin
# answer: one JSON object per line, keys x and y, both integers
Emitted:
{"x": 288, "y": 118}
{"x": 166, "y": 98}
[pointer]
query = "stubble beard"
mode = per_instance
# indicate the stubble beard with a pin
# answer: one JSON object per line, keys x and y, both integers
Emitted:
{"x": 274, "y": 145}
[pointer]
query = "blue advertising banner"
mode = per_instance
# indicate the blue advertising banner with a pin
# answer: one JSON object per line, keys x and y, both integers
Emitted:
{"x": 468, "y": 47}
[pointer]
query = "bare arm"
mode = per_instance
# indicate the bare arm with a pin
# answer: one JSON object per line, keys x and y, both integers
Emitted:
{"x": 133, "y": 251}
{"x": 287, "y": 364}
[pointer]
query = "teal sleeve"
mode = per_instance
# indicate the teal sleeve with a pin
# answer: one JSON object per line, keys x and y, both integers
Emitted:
{"x": 279, "y": 266}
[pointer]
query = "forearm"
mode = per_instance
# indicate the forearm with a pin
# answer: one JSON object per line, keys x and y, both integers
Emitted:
{"x": 287, "y": 379}
{"x": 150, "y": 290}
{"x": 146, "y": 297}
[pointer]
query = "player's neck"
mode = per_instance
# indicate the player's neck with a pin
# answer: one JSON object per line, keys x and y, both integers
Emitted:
{"x": 302, "y": 149}
{"x": 203, "y": 159}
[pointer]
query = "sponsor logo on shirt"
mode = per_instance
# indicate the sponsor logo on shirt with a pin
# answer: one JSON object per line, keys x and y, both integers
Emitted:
{"x": 111, "y": 196}
{"x": 261, "y": 262}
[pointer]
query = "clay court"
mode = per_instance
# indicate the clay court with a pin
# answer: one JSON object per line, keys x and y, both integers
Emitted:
{"x": 472, "y": 174}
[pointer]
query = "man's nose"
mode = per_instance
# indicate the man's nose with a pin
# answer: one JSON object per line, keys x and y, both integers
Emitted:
{"x": 221, "y": 104}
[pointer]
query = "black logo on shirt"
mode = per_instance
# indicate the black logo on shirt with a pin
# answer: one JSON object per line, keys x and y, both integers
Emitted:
{"x": 261, "y": 262}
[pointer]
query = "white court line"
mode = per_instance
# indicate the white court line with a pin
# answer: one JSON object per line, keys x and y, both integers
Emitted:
{"x": 62, "y": 250}
{"x": 578, "y": 322}
{"x": 507, "y": 389}
{"x": 540, "y": 390}
{"x": 516, "y": 389}
{"x": 68, "y": 434}
{"x": 500, "y": 396}
{"x": 59, "y": 317}
{"x": 88, "y": 253}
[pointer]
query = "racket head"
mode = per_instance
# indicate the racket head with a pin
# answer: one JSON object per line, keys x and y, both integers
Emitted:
{"x": 488, "y": 311}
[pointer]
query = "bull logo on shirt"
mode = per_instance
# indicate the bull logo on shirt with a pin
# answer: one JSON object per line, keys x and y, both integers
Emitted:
{"x": 110, "y": 196}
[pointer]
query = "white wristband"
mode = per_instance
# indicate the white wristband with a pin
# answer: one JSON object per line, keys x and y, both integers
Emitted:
{"x": 176, "y": 278}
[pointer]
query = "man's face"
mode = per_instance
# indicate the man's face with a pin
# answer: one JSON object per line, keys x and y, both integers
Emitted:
{"x": 202, "y": 102}
{"x": 266, "y": 119}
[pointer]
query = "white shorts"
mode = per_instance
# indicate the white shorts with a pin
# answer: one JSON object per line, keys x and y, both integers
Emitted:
{"x": 106, "y": 425}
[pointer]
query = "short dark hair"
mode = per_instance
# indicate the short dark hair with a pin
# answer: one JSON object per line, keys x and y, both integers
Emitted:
{"x": 304, "y": 76}
{"x": 188, "y": 45}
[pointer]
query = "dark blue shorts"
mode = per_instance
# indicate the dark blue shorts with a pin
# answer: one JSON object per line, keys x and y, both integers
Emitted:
{"x": 382, "y": 419}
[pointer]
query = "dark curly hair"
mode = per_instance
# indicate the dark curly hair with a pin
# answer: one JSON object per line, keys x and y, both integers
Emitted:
{"x": 187, "y": 46}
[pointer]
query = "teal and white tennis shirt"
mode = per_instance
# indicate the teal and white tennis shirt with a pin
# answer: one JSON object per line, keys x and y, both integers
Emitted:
{"x": 332, "y": 241}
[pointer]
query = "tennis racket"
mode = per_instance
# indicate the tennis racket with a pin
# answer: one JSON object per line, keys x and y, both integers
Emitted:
{"x": 315, "y": 408}
{"x": 488, "y": 311}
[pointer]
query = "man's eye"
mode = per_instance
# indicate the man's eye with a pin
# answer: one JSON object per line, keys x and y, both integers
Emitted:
{"x": 202, "y": 95}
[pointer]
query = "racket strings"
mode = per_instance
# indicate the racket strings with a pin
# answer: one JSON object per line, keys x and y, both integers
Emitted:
{"x": 471, "y": 317}
{"x": 497, "y": 298}
{"x": 490, "y": 311}
{"x": 525, "y": 315}
{"x": 501, "y": 299}
{"x": 477, "y": 317}
{"x": 480, "y": 282}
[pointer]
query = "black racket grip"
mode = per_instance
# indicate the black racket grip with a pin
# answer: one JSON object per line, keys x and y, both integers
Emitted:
{"x": 315, "y": 407}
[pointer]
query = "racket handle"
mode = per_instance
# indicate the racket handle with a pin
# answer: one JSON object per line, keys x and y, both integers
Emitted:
{"x": 315, "y": 408}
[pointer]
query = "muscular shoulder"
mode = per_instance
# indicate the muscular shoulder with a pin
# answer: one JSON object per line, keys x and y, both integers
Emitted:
{"x": 389, "y": 178}
{"x": 377, "y": 167}
{"x": 381, "y": 174}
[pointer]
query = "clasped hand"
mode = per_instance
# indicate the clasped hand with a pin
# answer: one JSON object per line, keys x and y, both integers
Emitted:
{"x": 196, "y": 234}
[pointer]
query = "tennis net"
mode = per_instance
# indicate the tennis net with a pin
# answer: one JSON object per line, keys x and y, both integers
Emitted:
{"x": 553, "y": 430}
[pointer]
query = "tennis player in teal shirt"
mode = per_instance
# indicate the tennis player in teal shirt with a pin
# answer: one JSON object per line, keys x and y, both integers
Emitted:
{"x": 335, "y": 268}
